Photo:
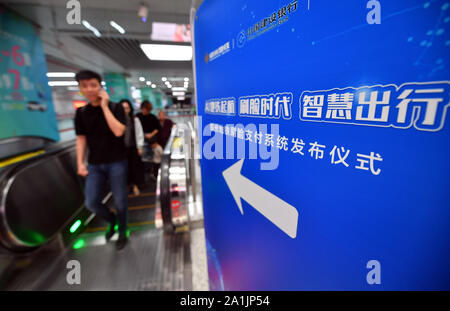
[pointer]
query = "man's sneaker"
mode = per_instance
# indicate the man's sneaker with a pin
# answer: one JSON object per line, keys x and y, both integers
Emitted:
{"x": 110, "y": 231}
{"x": 122, "y": 241}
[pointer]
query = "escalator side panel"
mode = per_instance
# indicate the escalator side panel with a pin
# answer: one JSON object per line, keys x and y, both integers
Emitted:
{"x": 39, "y": 200}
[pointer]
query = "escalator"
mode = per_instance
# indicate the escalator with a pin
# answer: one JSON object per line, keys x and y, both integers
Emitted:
{"x": 176, "y": 186}
{"x": 39, "y": 197}
{"x": 42, "y": 197}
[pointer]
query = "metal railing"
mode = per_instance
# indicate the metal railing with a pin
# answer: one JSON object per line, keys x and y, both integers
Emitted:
{"x": 176, "y": 179}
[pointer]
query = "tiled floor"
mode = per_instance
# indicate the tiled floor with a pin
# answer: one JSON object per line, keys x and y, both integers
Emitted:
{"x": 199, "y": 262}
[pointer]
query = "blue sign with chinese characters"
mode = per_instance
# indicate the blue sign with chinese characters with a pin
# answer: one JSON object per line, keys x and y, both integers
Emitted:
{"x": 325, "y": 138}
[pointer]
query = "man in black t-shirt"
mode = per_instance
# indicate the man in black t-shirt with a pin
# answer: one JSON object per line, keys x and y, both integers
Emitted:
{"x": 149, "y": 121}
{"x": 151, "y": 128}
{"x": 100, "y": 127}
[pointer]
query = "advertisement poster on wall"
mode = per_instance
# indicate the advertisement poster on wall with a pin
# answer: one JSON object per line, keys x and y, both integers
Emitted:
{"x": 26, "y": 107}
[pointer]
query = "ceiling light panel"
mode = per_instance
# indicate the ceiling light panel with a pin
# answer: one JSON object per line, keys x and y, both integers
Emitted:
{"x": 163, "y": 52}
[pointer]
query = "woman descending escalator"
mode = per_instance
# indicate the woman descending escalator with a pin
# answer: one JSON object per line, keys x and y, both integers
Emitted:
{"x": 134, "y": 142}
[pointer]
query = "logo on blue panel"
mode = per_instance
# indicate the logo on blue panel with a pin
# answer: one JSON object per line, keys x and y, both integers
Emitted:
{"x": 241, "y": 39}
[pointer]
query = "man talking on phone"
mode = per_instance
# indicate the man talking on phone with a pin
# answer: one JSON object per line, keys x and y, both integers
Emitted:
{"x": 100, "y": 126}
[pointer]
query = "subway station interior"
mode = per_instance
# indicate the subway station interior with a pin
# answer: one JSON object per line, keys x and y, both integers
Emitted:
{"x": 238, "y": 145}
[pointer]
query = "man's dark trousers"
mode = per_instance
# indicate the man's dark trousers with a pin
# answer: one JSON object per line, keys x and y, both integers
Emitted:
{"x": 116, "y": 173}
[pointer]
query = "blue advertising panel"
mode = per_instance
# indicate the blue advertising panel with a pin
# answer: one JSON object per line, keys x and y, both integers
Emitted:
{"x": 26, "y": 107}
{"x": 325, "y": 143}
{"x": 155, "y": 98}
{"x": 117, "y": 86}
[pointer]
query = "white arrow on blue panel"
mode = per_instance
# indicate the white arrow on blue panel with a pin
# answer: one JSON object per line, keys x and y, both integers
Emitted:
{"x": 280, "y": 213}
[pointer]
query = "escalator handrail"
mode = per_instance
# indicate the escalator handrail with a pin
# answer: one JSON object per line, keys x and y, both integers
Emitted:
{"x": 7, "y": 178}
{"x": 165, "y": 191}
{"x": 9, "y": 171}
{"x": 165, "y": 195}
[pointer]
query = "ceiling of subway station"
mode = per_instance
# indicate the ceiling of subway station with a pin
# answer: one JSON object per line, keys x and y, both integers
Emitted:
{"x": 123, "y": 49}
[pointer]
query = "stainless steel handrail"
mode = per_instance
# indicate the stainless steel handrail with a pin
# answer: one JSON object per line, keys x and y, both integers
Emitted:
{"x": 9, "y": 237}
{"x": 173, "y": 183}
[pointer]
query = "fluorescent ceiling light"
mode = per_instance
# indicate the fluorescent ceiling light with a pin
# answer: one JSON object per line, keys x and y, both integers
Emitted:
{"x": 167, "y": 52}
{"x": 164, "y": 79}
{"x": 62, "y": 83}
{"x": 91, "y": 28}
{"x": 178, "y": 93}
{"x": 186, "y": 79}
{"x": 103, "y": 83}
{"x": 153, "y": 86}
{"x": 117, "y": 26}
{"x": 148, "y": 83}
{"x": 178, "y": 89}
{"x": 141, "y": 79}
{"x": 60, "y": 74}
{"x": 176, "y": 79}
{"x": 181, "y": 98}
